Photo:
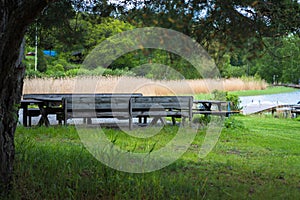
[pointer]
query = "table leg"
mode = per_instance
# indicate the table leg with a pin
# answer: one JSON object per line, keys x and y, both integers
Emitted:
{"x": 25, "y": 115}
{"x": 173, "y": 121}
{"x": 44, "y": 116}
{"x": 155, "y": 120}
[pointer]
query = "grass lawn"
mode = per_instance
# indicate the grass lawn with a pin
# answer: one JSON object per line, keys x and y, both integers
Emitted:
{"x": 268, "y": 90}
{"x": 255, "y": 158}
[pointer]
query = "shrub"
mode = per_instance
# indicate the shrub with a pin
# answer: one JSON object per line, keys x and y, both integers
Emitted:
{"x": 219, "y": 95}
{"x": 72, "y": 72}
{"x": 225, "y": 96}
{"x": 33, "y": 74}
{"x": 235, "y": 101}
{"x": 233, "y": 123}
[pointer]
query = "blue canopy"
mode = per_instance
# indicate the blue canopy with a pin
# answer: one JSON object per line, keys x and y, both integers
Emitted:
{"x": 50, "y": 53}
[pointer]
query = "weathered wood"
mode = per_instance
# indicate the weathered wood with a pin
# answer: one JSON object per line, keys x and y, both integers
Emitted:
{"x": 63, "y": 95}
{"x": 98, "y": 107}
{"x": 162, "y": 106}
{"x": 123, "y": 107}
{"x": 296, "y": 110}
{"x": 215, "y": 112}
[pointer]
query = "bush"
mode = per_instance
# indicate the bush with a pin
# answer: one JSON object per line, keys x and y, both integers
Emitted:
{"x": 235, "y": 101}
{"x": 225, "y": 96}
{"x": 58, "y": 67}
{"x": 72, "y": 72}
{"x": 62, "y": 62}
{"x": 117, "y": 72}
{"x": 57, "y": 74}
{"x": 233, "y": 123}
{"x": 33, "y": 74}
{"x": 219, "y": 95}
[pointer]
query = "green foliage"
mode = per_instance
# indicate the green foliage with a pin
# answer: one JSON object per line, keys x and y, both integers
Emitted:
{"x": 203, "y": 120}
{"x": 233, "y": 71}
{"x": 219, "y": 95}
{"x": 72, "y": 72}
{"x": 31, "y": 73}
{"x": 238, "y": 44}
{"x": 233, "y": 123}
{"x": 235, "y": 101}
{"x": 42, "y": 62}
{"x": 225, "y": 96}
{"x": 281, "y": 63}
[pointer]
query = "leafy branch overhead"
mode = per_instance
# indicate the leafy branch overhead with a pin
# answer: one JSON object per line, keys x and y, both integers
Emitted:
{"x": 237, "y": 34}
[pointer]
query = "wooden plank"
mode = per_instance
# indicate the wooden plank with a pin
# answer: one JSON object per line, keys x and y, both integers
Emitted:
{"x": 216, "y": 112}
{"x": 162, "y": 106}
{"x": 98, "y": 107}
{"x": 149, "y": 105}
{"x": 160, "y": 113}
{"x": 166, "y": 102}
{"x": 63, "y": 95}
{"x": 97, "y": 103}
{"x": 161, "y": 99}
{"x": 126, "y": 107}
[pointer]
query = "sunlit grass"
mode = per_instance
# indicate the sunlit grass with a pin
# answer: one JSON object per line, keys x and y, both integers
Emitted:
{"x": 256, "y": 157}
{"x": 268, "y": 90}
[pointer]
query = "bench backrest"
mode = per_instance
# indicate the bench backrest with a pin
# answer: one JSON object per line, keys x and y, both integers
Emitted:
{"x": 105, "y": 106}
{"x": 64, "y": 95}
{"x": 182, "y": 103}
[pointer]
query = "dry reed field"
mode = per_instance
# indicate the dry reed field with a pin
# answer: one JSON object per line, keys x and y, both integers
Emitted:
{"x": 100, "y": 84}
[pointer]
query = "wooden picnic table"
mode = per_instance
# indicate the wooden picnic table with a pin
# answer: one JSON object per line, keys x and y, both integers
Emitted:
{"x": 52, "y": 103}
{"x": 49, "y": 106}
{"x": 207, "y": 104}
{"x": 45, "y": 106}
{"x": 24, "y": 105}
{"x": 296, "y": 109}
{"x": 205, "y": 108}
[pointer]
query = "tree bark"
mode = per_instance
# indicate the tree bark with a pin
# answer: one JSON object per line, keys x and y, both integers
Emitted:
{"x": 15, "y": 16}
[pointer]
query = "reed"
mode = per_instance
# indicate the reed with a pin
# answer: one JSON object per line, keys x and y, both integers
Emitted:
{"x": 101, "y": 84}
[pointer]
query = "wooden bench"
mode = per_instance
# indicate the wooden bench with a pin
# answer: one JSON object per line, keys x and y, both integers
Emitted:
{"x": 56, "y": 106}
{"x": 158, "y": 107}
{"x": 97, "y": 107}
{"x": 129, "y": 107}
{"x": 63, "y": 95}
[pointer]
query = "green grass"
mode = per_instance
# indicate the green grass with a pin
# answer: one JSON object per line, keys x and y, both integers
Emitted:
{"x": 269, "y": 90}
{"x": 255, "y": 158}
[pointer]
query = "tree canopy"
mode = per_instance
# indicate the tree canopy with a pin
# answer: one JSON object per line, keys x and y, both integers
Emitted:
{"x": 226, "y": 29}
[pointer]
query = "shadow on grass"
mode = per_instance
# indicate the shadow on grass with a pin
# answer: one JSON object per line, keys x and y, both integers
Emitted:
{"x": 51, "y": 163}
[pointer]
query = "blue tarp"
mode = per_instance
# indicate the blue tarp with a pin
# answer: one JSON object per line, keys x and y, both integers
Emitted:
{"x": 50, "y": 53}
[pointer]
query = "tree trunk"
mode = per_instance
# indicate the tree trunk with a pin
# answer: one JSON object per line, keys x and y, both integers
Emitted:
{"x": 15, "y": 16}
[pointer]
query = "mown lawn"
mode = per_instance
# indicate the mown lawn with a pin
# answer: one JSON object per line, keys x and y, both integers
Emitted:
{"x": 255, "y": 158}
{"x": 268, "y": 90}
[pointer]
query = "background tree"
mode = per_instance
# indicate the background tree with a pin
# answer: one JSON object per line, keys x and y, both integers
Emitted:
{"x": 222, "y": 26}
{"x": 281, "y": 61}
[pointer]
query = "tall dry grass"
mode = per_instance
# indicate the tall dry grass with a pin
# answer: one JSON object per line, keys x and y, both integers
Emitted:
{"x": 140, "y": 85}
